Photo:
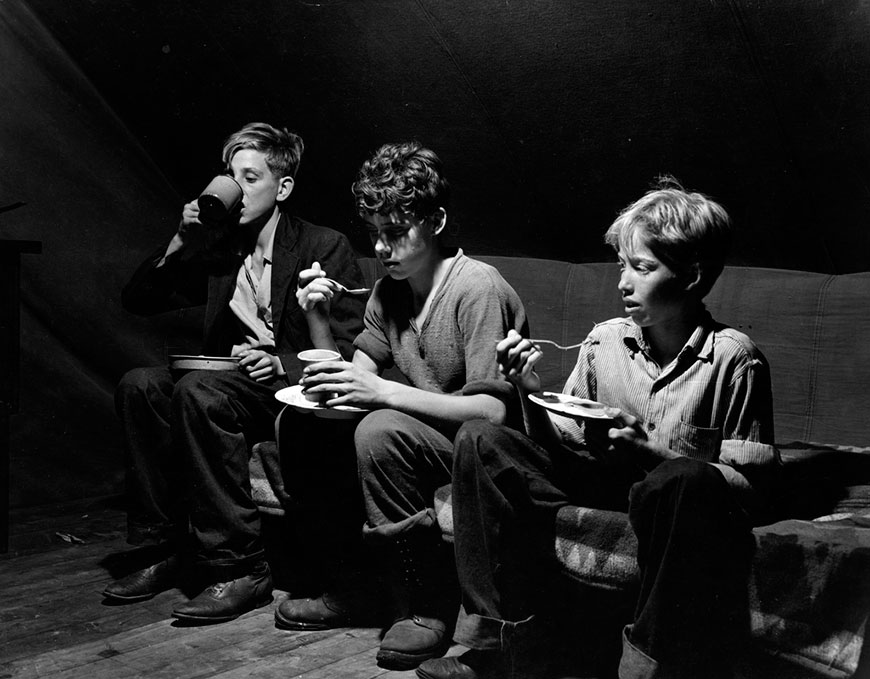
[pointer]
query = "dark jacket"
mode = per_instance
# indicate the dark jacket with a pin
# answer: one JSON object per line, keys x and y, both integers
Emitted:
{"x": 209, "y": 278}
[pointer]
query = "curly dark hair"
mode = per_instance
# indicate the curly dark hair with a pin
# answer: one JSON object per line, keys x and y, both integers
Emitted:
{"x": 406, "y": 177}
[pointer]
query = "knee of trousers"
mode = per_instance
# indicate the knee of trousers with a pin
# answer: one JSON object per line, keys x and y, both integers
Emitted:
{"x": 136, "y": 383}
{"x": 380, "y": 435}
{"x": 194, "y": 389}
{"x": 679, "y": 477}
{"x": 389, "y": 439}
{"x": 474, "y": 441}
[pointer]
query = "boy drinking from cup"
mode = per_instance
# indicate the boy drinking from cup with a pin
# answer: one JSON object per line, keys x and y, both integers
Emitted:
{"x": 436, "y": 316}
{"x": 688, "y": 454}
{"x": 189, "y": 436}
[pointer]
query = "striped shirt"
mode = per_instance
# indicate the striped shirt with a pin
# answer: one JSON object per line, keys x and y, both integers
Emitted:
{"x": 712, "y": 403}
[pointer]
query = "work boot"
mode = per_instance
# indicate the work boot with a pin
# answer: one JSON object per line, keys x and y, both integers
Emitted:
{"x": 328, "y": 611}
{"x": 157, "y": 569}
{"x": 426, "y": 598}
{"x": 469, "y": 665}
{"x": 146, "y": 582}
{"x": 352, "y": 598}
{"x": 225, "y": 601}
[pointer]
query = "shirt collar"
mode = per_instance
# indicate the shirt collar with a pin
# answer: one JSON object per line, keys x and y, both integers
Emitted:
{"x": 700, "y": 342}
{"x": 267, "y": 253}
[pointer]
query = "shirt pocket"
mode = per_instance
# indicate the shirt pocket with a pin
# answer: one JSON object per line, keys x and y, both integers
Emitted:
{"x": 698, "y": 443}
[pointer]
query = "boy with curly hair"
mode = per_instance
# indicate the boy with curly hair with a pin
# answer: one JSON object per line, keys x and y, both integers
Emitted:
{"x": 436, "y": 316}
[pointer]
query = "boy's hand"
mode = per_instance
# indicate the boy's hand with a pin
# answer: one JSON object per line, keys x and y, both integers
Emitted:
{"x": 353, "y": 385}
{"x": 516, "y": 360}
{"x": 260, "y": 365}
{"x": 629, "y": 443}
{"x": 192, "y": 233}
{"x": 314, "y": 293}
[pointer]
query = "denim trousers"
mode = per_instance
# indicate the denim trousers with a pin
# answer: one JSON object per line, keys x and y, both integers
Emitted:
{"x": 694, "y": 548}
{"x": 187, "y": 444}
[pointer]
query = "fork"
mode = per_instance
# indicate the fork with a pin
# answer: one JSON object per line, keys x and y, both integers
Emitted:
{"x": 345, "y": 289}
{"x": 554, "y": 344}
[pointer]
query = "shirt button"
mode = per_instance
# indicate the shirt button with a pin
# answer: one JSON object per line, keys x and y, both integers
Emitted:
{"x": 651, "y": 426}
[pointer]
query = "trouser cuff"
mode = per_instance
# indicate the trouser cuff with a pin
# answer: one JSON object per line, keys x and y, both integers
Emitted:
{"x": 488, "y": 634}
{"x": 224, "y": 570}
{"x": 141, "y": 534}
{"x": 422, "y": 520}
{"x": 635, "y": 664}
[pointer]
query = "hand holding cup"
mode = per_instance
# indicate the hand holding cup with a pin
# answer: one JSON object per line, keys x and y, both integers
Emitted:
{"x": 310, "y": 358}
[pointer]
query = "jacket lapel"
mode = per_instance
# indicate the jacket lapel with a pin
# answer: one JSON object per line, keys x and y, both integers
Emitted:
{"x": 285, "y": 269}
{"x": 220, "y": 293}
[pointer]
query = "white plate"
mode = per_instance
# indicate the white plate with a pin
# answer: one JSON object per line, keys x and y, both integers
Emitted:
{"x": 189, "y": 362}
{"x": 570, "y": 406}
{"x": 294, "y": 397}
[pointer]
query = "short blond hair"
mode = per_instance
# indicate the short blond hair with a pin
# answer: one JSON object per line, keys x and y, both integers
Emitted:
{"x": 682, "y": 228}
{"x": 282, "y": 148}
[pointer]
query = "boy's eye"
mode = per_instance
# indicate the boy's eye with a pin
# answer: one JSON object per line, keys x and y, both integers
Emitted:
{"x": 391, "y": 234}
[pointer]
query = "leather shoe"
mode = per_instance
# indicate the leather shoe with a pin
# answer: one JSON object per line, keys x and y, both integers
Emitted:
{"x": 225, "y": 601}
{"x": 412, "y": 640}
{"x": 469, "y": 665}
{"x": 325, "y": 612}
{"x": 145, "y": 583}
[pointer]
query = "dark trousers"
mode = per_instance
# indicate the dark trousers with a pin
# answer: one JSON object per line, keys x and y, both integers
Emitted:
{"x": 372, "y": 477}
{"x": 188, "y": 444}
{"x": 693, "y": 546}
{"x": 319, "y": 469}
{"x": 381, "y": 470}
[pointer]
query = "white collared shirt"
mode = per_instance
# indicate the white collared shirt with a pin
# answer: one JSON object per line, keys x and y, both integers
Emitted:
{"x": 252, "y": 302}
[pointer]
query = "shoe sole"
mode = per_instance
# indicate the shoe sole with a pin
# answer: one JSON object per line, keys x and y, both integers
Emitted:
{"x": 295, "y": 625}
{"x": 135, "y": 597}
{"x": 396, "y": 660}
{"x": 184, "y": 617}
{"x": 129, "y": 599}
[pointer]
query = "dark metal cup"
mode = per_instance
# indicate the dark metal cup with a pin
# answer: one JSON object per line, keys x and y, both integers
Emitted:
{"x": 219, "y": 199}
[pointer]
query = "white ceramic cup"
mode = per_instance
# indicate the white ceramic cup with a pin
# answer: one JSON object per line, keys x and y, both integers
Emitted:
{"x": 219, "y": 199}
{"x": 312, "y": 356}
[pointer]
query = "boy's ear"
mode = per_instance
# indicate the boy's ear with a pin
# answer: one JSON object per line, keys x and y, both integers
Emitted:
{"x": 285, "y": 188}
{"x": 439, "y": 220}
{"x": 693, "y": 277}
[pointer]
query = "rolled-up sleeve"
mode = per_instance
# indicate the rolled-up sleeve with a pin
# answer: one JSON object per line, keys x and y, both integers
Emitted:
{"x": 747, "y": 447}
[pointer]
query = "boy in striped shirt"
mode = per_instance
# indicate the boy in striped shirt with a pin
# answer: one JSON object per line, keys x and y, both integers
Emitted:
{"x": 688, "y": 453}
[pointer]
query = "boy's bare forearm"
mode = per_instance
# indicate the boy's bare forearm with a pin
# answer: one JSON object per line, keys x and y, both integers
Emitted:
{"x": 445, "y": 410}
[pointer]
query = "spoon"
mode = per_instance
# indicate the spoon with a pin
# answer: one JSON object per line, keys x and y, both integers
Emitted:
{"x": 346, "y": 290}
{"x": 554, "y": 344}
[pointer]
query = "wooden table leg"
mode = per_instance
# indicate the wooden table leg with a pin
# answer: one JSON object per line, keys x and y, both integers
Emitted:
{"x": 4, "y": 479}
{"x": 10, "y": 344}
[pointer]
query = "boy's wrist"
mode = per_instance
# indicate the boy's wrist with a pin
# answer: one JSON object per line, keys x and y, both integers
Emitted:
{"x": 391, "y": 394}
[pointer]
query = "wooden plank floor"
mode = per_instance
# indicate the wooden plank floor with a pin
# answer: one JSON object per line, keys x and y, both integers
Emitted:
{"x": 54, "y": 624}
